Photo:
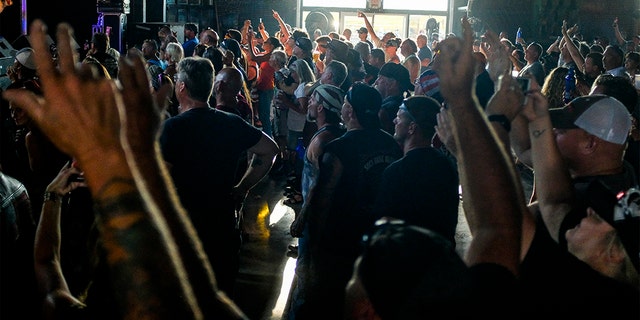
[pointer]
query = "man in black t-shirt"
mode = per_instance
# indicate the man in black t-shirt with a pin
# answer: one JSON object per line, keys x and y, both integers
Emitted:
{"x": 422, "y": 187}
{"x": 202, "y": 147}
{"x": 338, "y": 208}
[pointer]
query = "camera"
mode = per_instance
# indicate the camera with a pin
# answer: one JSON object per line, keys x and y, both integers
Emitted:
{"x": 283, "y": 76}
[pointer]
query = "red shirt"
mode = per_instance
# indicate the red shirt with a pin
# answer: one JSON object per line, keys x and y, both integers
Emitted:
{"x": 265, "y": 77}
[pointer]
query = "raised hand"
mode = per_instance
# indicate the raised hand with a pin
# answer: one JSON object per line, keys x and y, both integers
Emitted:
{"x": 444, "y": 129}
{"x": 455, "y": 65}
{"x": 564, "y": 28}
{"x": 509, "y": 98}
{"x": 536, "y": 105}
{"x": 64, "y": 183}
{"x": 79, "y": 112}
{"x": 573, "y": 30}
{"x": 498, "y": 62}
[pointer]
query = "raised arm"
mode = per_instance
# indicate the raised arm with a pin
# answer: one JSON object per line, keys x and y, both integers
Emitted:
{"x": 262, "y": 30}
{"x": 367, "y": 24}
{"x": 50, "y": 281}
{"x": 573, "y": 50}
{"x": 554, "y": 46}
{"x": 517, "y": 64}
{"x": 553, "y": 183}
{"x": 498, "y": 58}
{"x": 244, "y": 31}
{"x": 81, "y": 114}
{"x": 143, "y": 118}
{"x": 499, "y": 65}
{"x": 283, "y": 26}
{"x": 616, "y": 31}
{"x": 251, "y": 51}
{"x": 495, "y": 215}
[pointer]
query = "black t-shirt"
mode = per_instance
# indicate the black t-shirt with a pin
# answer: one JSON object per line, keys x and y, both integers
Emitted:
{"x": 203, "y": 146}
{"x": 364, "y": 154}
{"x": 556, "y": 283}
{"x": 615, "y": 182}
{"x": 422, "y": 189}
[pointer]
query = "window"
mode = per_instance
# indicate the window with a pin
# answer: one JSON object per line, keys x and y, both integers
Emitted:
{"x": 418, "y": 25}
{"x": 405, "y": 18}
{"x": 383, "y": 23}
{"x": 431, "y": 5}
{"x": 335, "y": 3}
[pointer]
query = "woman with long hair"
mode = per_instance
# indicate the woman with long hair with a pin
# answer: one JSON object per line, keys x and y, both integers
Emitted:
{"x": 553, "y": 87}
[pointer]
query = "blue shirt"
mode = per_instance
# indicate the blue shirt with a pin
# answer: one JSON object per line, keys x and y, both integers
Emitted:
{"x": 189, "y": 46}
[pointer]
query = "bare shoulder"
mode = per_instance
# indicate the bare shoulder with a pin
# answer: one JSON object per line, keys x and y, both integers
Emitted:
{"x": 317, "y": 144}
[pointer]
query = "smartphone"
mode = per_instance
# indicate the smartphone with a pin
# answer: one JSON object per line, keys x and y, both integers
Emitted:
{"x": 260, "y": 21}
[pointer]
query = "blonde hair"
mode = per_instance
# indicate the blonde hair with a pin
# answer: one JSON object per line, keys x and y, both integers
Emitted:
{"x": 303, "y": 70}
{"x": 175, "y": 51}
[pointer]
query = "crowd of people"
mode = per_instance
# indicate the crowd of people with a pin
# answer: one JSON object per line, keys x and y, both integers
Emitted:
{"x": 124, "y": 175}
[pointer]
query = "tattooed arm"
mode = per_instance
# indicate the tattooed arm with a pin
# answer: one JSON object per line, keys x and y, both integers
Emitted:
{"x": 554, "y": 199}
{"x": 83, "y": 116}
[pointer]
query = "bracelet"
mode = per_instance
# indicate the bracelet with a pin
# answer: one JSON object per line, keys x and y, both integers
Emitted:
{"x": 502, "y": 120}
{"x": 51, "y": 196}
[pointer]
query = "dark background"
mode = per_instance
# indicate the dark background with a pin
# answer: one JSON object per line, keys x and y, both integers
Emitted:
{"x": 83, "y": 14}
{"x": 540, "y": 19}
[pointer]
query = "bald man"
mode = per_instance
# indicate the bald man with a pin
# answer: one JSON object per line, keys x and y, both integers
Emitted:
{"x": 209, "y": 37}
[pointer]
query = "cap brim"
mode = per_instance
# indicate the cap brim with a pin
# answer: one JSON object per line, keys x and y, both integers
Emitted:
{"x": 561, "y": 119}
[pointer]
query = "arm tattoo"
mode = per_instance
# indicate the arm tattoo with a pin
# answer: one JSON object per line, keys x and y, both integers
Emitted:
{"x": 112, "y": 182}
{"x": 538, "y": 133}
{"x": 137, "y": 256}
{"x": 123, "y": 204}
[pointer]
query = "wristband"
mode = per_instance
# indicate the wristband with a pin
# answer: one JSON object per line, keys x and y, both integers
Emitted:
{"x": 502, "y": 120}
{"x": 51, "y": 196}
